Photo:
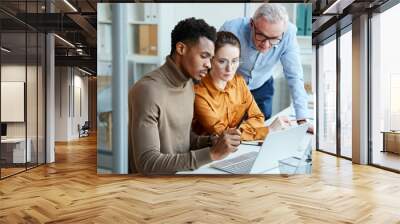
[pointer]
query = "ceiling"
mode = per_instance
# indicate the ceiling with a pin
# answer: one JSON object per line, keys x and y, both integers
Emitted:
{"x": 72, "y": 20}
{"x": 331, "y": 15}
{"x": 75, "y": 21}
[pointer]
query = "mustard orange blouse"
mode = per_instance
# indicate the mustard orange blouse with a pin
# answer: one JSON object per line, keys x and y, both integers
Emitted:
{"x": 234, "y": 107}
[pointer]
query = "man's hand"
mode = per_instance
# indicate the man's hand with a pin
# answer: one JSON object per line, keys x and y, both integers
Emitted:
{"x": 310, "y": 126}
{"x": 226, "y": 143}
{"x": 280, "y": 123}
{"x": 310, "y": 129}
{"x": 214, "y": 139}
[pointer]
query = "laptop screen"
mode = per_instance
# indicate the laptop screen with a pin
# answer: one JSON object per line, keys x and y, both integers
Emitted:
{"x": 3, "y": 129}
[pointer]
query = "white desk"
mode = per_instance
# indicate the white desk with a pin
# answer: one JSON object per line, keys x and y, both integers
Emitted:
{"x": 206, "y": 169}
{"x": 17, "y": 146}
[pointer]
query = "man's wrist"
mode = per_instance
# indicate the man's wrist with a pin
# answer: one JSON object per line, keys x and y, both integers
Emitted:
{"x": 211, "y": 139}
{"x": 212, "y": 155}
{"x": 302, "y": 121}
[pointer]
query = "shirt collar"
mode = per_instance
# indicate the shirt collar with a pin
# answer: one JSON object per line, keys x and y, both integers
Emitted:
{"x": 174, "y": 75}
{"x": 213, "y": 90}
{"x": 249, "y": 34}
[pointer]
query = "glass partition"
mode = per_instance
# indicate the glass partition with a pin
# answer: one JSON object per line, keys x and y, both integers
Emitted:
{"x": 104, "y": 94}
{"x": 346, "y": 94}
{"x": 385, "y": 85}
{"x": 13, "y": 94}
{"x": 22, "y": 88}
{"x": 327, "y": 97}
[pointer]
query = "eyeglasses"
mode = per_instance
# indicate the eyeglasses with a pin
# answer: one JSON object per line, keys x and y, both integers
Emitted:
{"x": 223, "y": 63}
{"x": 261, "y": 37}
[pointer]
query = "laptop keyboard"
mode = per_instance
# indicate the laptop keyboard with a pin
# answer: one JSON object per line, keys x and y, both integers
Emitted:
{"x": 238, "y": 165}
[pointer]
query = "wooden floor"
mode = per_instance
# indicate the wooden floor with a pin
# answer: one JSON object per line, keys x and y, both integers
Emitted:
{"x": 70, "y": 191}
{"x": 10, "y": 171}
{"x": 387, "y": 159}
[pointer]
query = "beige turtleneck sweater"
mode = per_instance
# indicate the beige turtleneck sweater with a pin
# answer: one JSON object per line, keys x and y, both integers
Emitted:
{"x": 160, "y": 118}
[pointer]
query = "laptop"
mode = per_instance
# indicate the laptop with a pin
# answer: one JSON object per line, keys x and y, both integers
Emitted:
{"x": 277, "y": 146}
{"x": 3, "y": 131}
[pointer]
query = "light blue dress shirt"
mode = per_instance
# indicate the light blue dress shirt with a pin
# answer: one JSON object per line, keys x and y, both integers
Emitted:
{"x": 257, "y": 67}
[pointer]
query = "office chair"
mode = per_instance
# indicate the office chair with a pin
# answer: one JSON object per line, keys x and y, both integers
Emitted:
{"x": 84, "y": 130}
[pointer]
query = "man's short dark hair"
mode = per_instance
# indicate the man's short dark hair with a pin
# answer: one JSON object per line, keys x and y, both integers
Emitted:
{"x": 190, "y": 30}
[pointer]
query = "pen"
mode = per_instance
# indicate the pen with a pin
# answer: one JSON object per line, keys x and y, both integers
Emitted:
{"x": 251, "y": 143}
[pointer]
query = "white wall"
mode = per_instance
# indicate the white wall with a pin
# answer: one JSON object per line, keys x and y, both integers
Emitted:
{"x": 13, "y": 101}
{"x": 33, "y": 126}
{"x": 214, "y": 14}
{"x": 67, "y": 114}
{"x": 80, "y": 83}
{"x": 14, "y": 73}
{"x": 61, "y": 103}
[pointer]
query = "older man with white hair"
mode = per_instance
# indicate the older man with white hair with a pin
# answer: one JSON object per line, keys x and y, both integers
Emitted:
{"x": 266, "y": 38}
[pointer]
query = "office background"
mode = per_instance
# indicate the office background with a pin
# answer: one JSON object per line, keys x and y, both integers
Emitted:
{"x": 45, "y": 95}
{"x": 144, "y": 31}
{"x": 340, "y": 189}
{"x": 22, "y": 77}
{"x": 358, "y": 86}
